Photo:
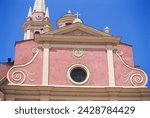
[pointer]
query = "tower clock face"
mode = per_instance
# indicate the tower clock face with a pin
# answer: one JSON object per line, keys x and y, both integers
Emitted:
{"x": 38, "y": 17}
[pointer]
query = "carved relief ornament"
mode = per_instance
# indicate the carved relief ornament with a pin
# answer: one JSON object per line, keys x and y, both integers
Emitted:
{"x": 78, "y": 53}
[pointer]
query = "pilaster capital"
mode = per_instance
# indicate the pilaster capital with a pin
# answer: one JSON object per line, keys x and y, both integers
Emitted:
{"x": 28, "y": 27}
{"x": 45, "y": 45}
{"x": 110, "y": 47}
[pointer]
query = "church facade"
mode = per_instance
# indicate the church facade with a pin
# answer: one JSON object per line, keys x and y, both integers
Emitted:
{"x": 73, "y": 62}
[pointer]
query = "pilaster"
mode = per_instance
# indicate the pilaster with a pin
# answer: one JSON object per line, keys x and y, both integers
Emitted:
{"x": 45, "y": 64}
{"x": 110, "y": 65}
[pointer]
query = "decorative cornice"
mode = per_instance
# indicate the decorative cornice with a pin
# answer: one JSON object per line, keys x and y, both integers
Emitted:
{"x": 78, "y": 26}
{"x": 34, "y": 24}
{"x": 74, "y": 46}
{"x": 46, "y": 45}
{"x": 40, "y": 38}
{"x": 75, "y": 92}
{"x": 110, "y": 47}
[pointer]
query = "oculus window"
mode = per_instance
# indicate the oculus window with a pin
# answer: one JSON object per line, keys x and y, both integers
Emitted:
{"x": 78, "y": 74}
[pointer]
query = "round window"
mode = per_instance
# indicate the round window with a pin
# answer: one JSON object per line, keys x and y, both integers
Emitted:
{"x": 78, "y": 74}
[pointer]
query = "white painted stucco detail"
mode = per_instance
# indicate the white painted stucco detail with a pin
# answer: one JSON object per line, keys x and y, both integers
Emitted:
{"x": 28, "y": 34}
{"x": 110, "y": 67}
{"x": 45, "y": 64}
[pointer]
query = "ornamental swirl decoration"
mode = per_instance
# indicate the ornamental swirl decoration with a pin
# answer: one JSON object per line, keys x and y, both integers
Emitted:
{"x": 18, "y": 75}
{"x": 78, "y": 53}
{"x": 137, "y": 77}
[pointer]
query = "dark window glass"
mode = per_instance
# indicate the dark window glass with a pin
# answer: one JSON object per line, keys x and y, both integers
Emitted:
{"x": 78, "y": 74}
{"x": 37, "y": 32}
{"x": 68, "y": 23}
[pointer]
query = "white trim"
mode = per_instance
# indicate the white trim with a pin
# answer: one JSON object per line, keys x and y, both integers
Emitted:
{"x": 110, "y": 67}
{"x": 28, "y": 34}
{"x": 79, "y": 46}
{"x": 45, "y": 66}
{"x": 71, "y": 86}
{"x": 25, "y": 35}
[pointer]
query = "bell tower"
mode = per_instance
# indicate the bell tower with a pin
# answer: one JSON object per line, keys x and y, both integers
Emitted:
{"x": 37, "y": 20}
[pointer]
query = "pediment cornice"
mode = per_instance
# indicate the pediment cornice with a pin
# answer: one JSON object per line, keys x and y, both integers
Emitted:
{"x": 50, "y": 38}
{"x": 80, "y": 27}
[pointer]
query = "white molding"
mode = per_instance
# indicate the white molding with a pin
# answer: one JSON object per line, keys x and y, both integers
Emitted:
{"x": 72, "y": 86}
{"x": 110, "y": 67}
{"x": 79, "y": 46}
{"x": 45, "y": 65}
{"x": 75, "y": 93}
{"x": 25, "y": 35}
{"x": 28, "y": 35}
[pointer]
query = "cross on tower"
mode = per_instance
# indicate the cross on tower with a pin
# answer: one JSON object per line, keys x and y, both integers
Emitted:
{"x": 77, "y": 14}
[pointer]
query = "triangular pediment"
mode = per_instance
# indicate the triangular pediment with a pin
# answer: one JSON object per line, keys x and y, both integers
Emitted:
{"x": 78, "y": 29}
{"x": 77, "y": 32}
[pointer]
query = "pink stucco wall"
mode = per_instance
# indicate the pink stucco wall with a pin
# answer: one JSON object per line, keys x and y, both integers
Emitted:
{"x": 61, "y": 59}
{"x": 121, "y": 71}
{"x": 23, "y": 55}
{"x": 94, "y": 59}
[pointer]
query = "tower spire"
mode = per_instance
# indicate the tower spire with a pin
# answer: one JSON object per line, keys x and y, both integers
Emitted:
{"x": 47, "y": 13}
{"x": 39, "y": 6}
{"x": 29, "y": 13}
{"x": 37, "y": 19}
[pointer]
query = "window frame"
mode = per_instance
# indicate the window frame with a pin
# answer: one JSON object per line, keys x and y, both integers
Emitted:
{"x": 82, "y": 67}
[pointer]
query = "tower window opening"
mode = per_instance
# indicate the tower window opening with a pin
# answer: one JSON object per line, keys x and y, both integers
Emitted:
{"x": 68, "y": 24}
{"x": 37, "y": 32}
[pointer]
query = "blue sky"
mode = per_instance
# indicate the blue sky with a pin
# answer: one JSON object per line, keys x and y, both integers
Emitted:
{"x": 129, "y": 19}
